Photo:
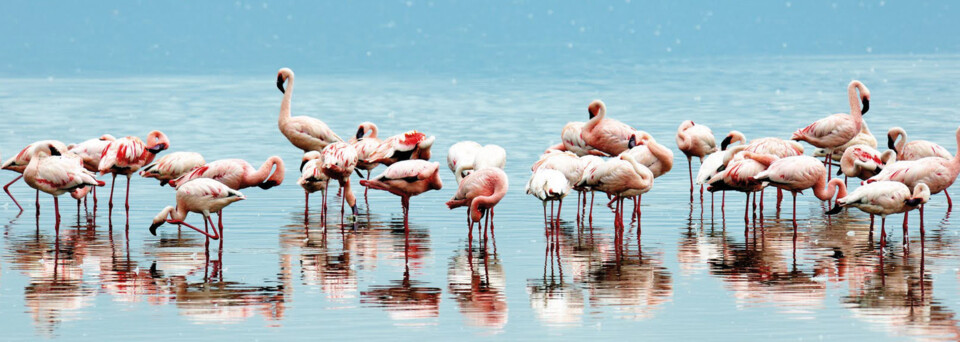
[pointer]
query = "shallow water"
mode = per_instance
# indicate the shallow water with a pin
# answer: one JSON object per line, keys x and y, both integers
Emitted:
{"x": 694, "y": 272}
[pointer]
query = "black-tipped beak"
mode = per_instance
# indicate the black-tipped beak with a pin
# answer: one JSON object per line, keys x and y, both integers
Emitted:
{"x": 913, "y": 202}
{"x": 157, "y": 148}
{"x": 359, "y": 133}
{"x": 164, "y": 182}
{"x": 302, "y": 163}
{"x": 836, "y": 210}
{"x": 725, "y": 143}
{"x": 839, "y": 172}
{"x": 890, "y": 144}
{"x": 632, "y": 142}
{"x": 358, "y": 173}
{"x": 590, "y": 112}
{"x": 54, "y": 151}
{"x": 280, "y": 83}
{"x": 866, "y": 106}
{"x": 268, "y": 184}
{"x": 153, "y": 228}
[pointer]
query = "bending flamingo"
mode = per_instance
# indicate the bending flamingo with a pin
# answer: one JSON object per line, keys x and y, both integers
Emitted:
{"x": 304, "y": 132}
{"x": 606, "y": 135}
{"x": 487, "y": 156}
{"x": 695, "y": 141}
{"x": 56, "y": 174}
{"x": 203, "y": 196}
{"x": 549, "y": 185}
{"x": 885, "y": 198}
{"x": 861, "y": 161}
{"x": 312, "y": 179}
{"x": 796, "y": 174}
{"x": 621, "y": 177}
{"x": 19, "y": 162}
{"x": 127, "y": 155}
{"x": 479, "y": 192}
{"x": 339, "y": 160}
{"x": 172, "y": 166}
{"x": 838, "y": 129}
{"x": 462, "y": 153}
{"x": 406, "y": 179}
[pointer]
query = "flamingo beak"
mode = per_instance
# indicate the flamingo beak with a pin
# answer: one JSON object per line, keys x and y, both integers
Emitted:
{"x": 360, "y": 133}
{"x": 725, "y": 143}
{"x": 153, "y": 227}
{"x": 890, "y": 144}
{"x": 280, "y": 83}
{"x": 632, "y": 142}
{"x": 266, "y": 185}
{"x": 866, "y": 106}
{"x": 302, "y": 163}
{"x": 836, "y": 210}
{"x": 157, "y": 148}
{"x": 913, "y": 202}
{"x": 839, "y": 172}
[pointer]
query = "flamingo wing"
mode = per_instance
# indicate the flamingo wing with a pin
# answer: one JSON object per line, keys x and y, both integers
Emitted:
{"x": 313, "y": 130}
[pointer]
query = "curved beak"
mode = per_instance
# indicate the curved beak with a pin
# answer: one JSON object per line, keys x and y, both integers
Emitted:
{"x": 836, "y": 210}
{"x": 890, "y": 144}
{"x": 632, "y": 142}
{"x": 153, "y": 228}
{"x": 359, "y": 133}
{"x": 866, "y": 106}
{"x": 280, "y": 83}
{"x": 725, "y": 143}
{"x": 302, "y": 163}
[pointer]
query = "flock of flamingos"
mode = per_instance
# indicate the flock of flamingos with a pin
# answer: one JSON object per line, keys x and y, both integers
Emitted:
{"x": 601, "y": 154}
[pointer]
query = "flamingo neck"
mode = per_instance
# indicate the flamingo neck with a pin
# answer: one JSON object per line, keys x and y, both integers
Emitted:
{"x": 261, "y": 174}
{"x": 601, "y": 113}
{"x": 855, "y": 107}
{"x": 825, "y": 192}
{"x": 285, "y": 104}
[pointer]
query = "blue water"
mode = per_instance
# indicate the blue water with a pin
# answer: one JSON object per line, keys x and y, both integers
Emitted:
{"x": 511, "y": 74}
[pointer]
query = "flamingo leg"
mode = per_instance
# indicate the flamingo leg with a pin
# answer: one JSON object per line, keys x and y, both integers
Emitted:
{"x": 826, "y": 161}
{"x": 701, "y": 194}
{"x": 559, "y": 208}
{"x": 591, "y": 207}
{"x": 220, "y": 223}
{"x": 639, "y": 214}
{"x": 113, "y": 184}
{"x": 95, "y": 197}
{"x": 905, "y": 215}
{"x": 56, "y": 207}
{"x": 126, "y": 204}
{"x": 690, "y": 172}
{"x": 949, "y": 201}
{"x": 214, "y": 236}
{"x": 794, "y": 220}
{"x": 38, "y": 203}
{"x": 761, "y": 201}
{"x": 921, "y": 220}
{"x": 883, "y": 233}
{"x": 578, "y": 206}
{"x": 6, "y": 188}
{"x": 779, "y": 199}
{"x": 306, "y": 207}
{"x": 746, "y": 209}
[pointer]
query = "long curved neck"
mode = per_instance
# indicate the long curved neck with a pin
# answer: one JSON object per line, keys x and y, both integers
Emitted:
{"x": 373, "y": 132}
{"x": 663, "y": 155}
{"x": 900, "y": 137}
{"x": 601, "y": 113}
{"x": 855, "y": 110}
{"x": 645, "y": 174}
{"x": 825, "y": 192}
{"x": 261, "y": 174}
{"x": 285, "y": 104}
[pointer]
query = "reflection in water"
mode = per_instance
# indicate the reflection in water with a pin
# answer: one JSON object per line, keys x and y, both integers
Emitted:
{"x": 477, "y": 283}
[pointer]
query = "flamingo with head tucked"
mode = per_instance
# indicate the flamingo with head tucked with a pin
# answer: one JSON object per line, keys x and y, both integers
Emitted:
{"x": 604, "y": 134}
{"x": 489, "y": 155}
{"x": 772, "y": 146}
{"x": 862, "y": 161}
{"x": 19, "y": 162}
{"x": 885, "y": 198}
{"x": 304, "y": 132}
{"x": 406, "y": 179}
{"x": 238, "y": 173}
{"x": 738, "y": 176}
{"x": 479, "y": 192}
{"x": 126, "y": 156}
{"x": 462, "y": 153}
{"x": 695, "y": 141}
{"x": 339, "y": 160}
{"x": 56, "y": 174}
{"x": 203, "y": 196}
{"x": 366, "y": 143}
{"x": 796, "y": 174}
{"x": 572, "y": 140}
{"x": 91, "y": 151}
{"x": 172, "y": 166}
{"x": 566, "y": 164}
{"x": 838, "y": 129}
{"x": 405, "y": 146}
{"x": 312, "y": 179}
{"x": 716, "y": 161}
{"x": 622, "y": 177}
{"x": 549, "y": 185}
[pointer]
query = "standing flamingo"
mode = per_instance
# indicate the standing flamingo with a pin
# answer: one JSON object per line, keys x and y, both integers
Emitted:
{"x": 861, "y": 161}
{"x": 19, "y": 162}
{"x": 366, "y": 143}
{"x": 91, "y": 151}
{"x": 715, "y": 162}
{"x": 572, "y": 140}
{"x": 487, "y": 156}
{"x": 885, "y": 198}
{"x": 238, "y": 173}
{"x": 405, "y": 146}
{"x": 203, "y": 196}
{"x": 549, "y": 185}
{"x": 406, "y": 179}
{"x": 606, "y": 135}
{"x": 566, "y": 163}
{"x": 796, "y": 174}
{"x": 738, "y": 176}
{"x": 621, "y": 177}
{"x": 127, "y": 155}
{"x": 695, "y": 141}
{"x": 339, "y": 161}
{"x": 588, "y": 166}
{"x": 304, "y": 132}
{"x": 646, "y": 151}
{"x": 865, "y": 137}
{"x": 479, "y": 192}
{"x": 312, "y": 179}
{"x": 776, "y": 147}
{"x": 835, "y": 130}
{"x": 172, "y": 166}
{"x": 56, "y": 174}
{"x": 915, "y": 150}
{"x": 462, "y": 153}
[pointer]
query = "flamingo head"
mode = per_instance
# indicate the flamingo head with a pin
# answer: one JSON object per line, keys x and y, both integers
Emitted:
{"x": 732, "y": 137}
{"x": 596, "y": 108}
{"x": 307, "y": 157}
{"x": 282, "y": 77}
{"x": 366, "y": 129}
{"x": 685, "y": 125}
{"x": 157, "y": 142}
{"x": 864, "y": 95}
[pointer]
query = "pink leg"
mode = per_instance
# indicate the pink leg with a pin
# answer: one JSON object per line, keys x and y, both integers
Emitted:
{"x": 779, "y": 198}
{"x": 56, "y": 207}
{"x": 905, "y": 215}
{"x": 690, "y": 171}
{"x": 126, "y": 204}
{"x": 559, "y": 208}
{"x": 214, "y": 236}
{"x": 38, "y": 203}
{"x": 220, "y": 222}
{"x": 95, "y": 197}
{"x": 746, "y": 209}
{"x": 949, "y": 201}
{"x": 591, "y": 207}
{"x": 112, "y": 185}
{"x": 883, "y": 233}
{"x": 306, "y": 207}
{"x": 6, "y": 188}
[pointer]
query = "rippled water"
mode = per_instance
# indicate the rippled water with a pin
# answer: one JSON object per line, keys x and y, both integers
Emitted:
{"x": 694, "y": 272}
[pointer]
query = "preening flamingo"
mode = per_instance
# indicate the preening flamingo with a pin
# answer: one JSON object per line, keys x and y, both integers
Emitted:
{"x": 203, "y": 196}
{"x": 312, "y": 179}
{"x": 238, "y": 173}
{"x": 405, "y": 146}
{"x": 127, "y": 155}
{"x": 695, "y": 141}
{"x": 913, "y": 150}
{"x": 572, "y": 140}
{"x": 772, "y": 146}
{"x": 549, "y": 185}
{"x": 885, "y": 198}
{"x": 406, "y": 179}
{"x": 796, "y": 174}
{"x": 91, "y": 151}
{"x": 489, "y": 155}
{"x": 646, "y": 151}
{"x": 604, "y": 134}
{"x": 339, "y": 160}
{"x": 566, "y": 163}
{"x": 19, "y": 162}
{"x": 462, "y": 153}
{"x": 622, "y": 177}
{"x": 172, "y": 166}
{"x": 838, "y": 129}
{"x": 588, "y": 165}
{"x": 738, "y": 176}
{"x": 479, "y": 192}
{"x": 366, "y": 143}
{"x": 56, "y": 174}
{"x": 862, "y": 161}
{"x": 715, "y": 162}
{"x": 304, "y": 132}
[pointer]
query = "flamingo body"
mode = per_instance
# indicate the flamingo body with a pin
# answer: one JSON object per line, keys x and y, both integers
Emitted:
{"x": 201, "y": 195}
{"x": 172, "y": 166}
{"x": 604, "y": 134}
{"x": 237, "y": 173}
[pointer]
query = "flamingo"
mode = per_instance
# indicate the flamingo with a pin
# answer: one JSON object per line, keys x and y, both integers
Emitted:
{"x": 487, "y": 156}
{"x": 915, "y": 150}
{"x": 312, "y": 179}
{"x": 462, "y": 152}
{"x": 885, "y": 198}
{"x": 646, "y": 151}
{"x": 203, "y": 196}
{"x": 695, "y": 141}
{"x": 56, "y": 174}
{"x": 716, "y": 161}
{"x": 238, "y": 173}
{"x": 862, "y": 161}
{"x": 572, "y": 140}
{"x": 566, "y": 163}
{"x": 407, "y": 178}
{"x": 172, "y": 166}
{"x": 127, "y": 155}
{"x": 588, "y": 165}
{"x": 738, "y": 176}
{"x": 404, "y": 146}
{"x": 865, "y": 137}
{"x": 773, "y": 146}
{"x": 838, "y": 129}
{"x": 339, "y": 160}
{"x": 19, "y": 162}
{"x": 91, "y": 151}
{"x": 549, "y": 185}
{"x": 620, "y": 177}
{"x": 796, "y": 174}
{"x": 304, "y": 132}
{"x": 606, "y": 135}
{"x": 936, "y": 172}
{"x": 366, "y": 143}
{"x": 480, "y": 191}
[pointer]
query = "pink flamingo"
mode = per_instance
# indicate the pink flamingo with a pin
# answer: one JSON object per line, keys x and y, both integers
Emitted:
{"x": 91, "y": 151}
{"x": 646, "y": 151}
{"x": 172, "y": 166}
{"x": 489, "y": 155}
{"x": 339, "y": 160}
{"x": 56, "y": 174}
{"x": 695, "y": 141}
{"x": 549, "y": 185}
{"x": 462, "y": 152}
{"x": 572, "y": 140}
{"x": 937, "y": 173}
{"x": 861, "y": 161}
{"x": 405, "y": 146}
{"x": 738, "y": 176}
{"x": 885, "y": 198}
{"x": 865, "y": 137}
{"x": 588, "y": 165}
{"x": 406, "y": 179}
{"x": 238, "y": 173}
{"x": 304, "y": 132}
{"x": 19, "y": 162}
{"x": 312, "y": 179}
{"x": 480, "y": 191}
{"x": 796, "y": 174}
{"x": 621, "y": 177}
{"x": 837, "y": 129}
{"x": 203, "y": 196}
{"x": 715, "y": 162}
{"x": 567, "y": 164}
{"x": 915, "y": 150}
{"x": 126, "y": 156}
{"x": 773, "y": 146}
{"x": 606, "y": 135}
{"x": 366, "y": 143}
